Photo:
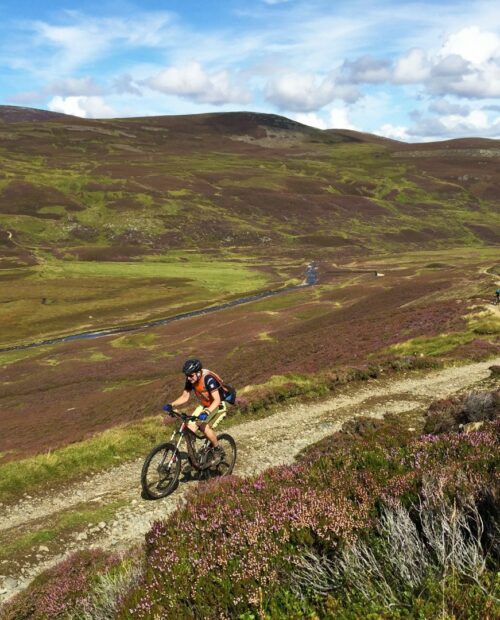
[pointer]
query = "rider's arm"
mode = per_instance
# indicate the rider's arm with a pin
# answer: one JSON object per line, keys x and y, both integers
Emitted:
{"x": 216, "y": 401}
{"x": 183, "y": 398}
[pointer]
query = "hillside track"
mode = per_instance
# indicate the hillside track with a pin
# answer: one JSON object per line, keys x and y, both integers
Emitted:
{"x": 262, "y": 443}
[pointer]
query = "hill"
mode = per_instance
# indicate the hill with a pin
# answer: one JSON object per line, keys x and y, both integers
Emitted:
{"x": 114, "y": 189}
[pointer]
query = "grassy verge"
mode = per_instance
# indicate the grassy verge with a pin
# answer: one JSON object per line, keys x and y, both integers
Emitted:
{"x": 77, "y": 518}
{"x": 53, "y": 469}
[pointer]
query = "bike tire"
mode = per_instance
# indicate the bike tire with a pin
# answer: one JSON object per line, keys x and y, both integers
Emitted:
{"x": 158, "y": 483}
{"x": 226, "y": 466}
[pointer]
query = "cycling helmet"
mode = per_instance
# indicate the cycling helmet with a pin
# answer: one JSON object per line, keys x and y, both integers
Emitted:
{"x": 190, "y": 366}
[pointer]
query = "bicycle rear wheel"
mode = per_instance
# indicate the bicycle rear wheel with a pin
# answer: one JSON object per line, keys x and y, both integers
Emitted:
{"x": 226, "y": 465}
{"x": 160, "y": 471}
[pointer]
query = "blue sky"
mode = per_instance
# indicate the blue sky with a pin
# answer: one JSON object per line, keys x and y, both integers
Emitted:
{"x": 408, "y": 70}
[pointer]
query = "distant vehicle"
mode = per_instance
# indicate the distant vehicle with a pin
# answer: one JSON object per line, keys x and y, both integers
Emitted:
{"x": 162, "y": 467}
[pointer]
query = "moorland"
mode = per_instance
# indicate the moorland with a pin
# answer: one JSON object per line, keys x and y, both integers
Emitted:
{"x": 107, "y": 223}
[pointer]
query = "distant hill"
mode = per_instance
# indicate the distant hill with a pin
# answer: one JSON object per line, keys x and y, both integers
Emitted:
{"x": 116, "y": 188}
{"x": 15, "y": 114}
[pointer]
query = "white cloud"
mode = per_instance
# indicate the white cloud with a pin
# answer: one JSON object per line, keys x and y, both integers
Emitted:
{"x": 396, "y": 132}
{"x": 483, "y": 83}
{"x": 86, "y": 107}
{"x": 412, "y": 68}
{"x": 472, "y": 44}
{"x": 476, "y": 122}
{"x": 300, "y": 92}
{"x": 193, "y": 82}
{"x": 306, "y": 92}
{"x": 443, "y": 106}
{"x": 125, "y": 84}
{"x": 311, "y": 119}
{"x": 367, "y": 69}
{"x": 86, "y": 39}
{"x": 339, "y": 119}
{"x": 74, "y": 87}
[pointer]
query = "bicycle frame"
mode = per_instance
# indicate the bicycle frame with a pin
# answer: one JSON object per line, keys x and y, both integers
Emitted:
{"x": 186, "y": 433}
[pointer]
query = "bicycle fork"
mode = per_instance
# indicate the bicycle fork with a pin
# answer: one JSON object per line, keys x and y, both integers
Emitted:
{"x": 175, "y": 454}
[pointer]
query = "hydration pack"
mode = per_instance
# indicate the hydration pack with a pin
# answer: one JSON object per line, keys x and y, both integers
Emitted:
{"x": 229, "y": 392}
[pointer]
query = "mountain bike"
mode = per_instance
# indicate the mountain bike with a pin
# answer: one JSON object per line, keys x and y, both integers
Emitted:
{"x": 162, "y": 467}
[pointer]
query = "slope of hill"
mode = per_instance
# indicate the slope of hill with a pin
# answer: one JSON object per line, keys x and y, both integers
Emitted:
{"x": 113, "y": 189}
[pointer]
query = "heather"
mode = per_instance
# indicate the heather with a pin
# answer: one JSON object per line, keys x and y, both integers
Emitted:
{"x": 373, "y": 521}
{"x": 252, "y": 548}
{"x": 59, "y": 591}
{"x": 457, "y": 412}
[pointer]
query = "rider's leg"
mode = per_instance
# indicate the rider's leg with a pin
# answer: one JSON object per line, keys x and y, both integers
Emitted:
{"x": 204, "y": 426}
{"x": 211, "y": 422}
{"x": 207, "y": 430}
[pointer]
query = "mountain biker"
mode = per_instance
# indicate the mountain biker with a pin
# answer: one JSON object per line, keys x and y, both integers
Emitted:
{"x": 209, "y": 389}
{"x": 497, "y": 295}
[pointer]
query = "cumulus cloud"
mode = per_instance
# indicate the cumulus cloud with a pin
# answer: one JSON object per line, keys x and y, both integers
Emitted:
{"x": 395, "y": 132}
{"x": 472, "y": 44}
{"x": 475, "y": 122}
{"x": 86, "y": 107}
{"x": 366, "y": 69}
{"x": 192, "y": 82}
{"x": 124, "y": 84}
{"x": 339, "y": 118}
{"x": 306, "y": 92}
{"x": 443, "y": 106}
{"x": 69, "y": 87}
{"x": 412, "y": 68}
{"x": 311, "y": 119}
{"x": 467, "y": 65}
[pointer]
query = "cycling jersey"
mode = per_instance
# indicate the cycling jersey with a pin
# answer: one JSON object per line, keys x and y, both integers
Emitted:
{"x": 204, "y": 386}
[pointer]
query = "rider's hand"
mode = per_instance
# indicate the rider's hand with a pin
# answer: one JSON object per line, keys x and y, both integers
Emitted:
{"x": 204, "y": 415}
{"x": 167, "y": 408}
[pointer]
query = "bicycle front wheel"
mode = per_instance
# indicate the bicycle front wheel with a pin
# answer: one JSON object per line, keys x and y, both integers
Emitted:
{"x": 160, "y": 471}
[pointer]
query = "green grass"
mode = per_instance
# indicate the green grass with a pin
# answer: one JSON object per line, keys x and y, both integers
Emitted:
{"x": 76, "y": 518}
{"x": 100, "y": 452}
{"x": 218, "y": 276}
{"x": 432, "y": 345}
{"x": 60, "y": 297}
{"x": 132, "y": 341}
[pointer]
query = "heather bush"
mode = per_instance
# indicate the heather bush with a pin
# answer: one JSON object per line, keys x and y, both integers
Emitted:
{"x": 449, "y": 414}
{"x": 371, "y": 520}
{"x": 376, "y": 504}
{"x": 61, "y": 590}
{"x": 434, "y": 552}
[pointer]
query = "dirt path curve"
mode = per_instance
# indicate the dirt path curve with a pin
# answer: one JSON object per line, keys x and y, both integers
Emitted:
{"x": 274, "y": 440}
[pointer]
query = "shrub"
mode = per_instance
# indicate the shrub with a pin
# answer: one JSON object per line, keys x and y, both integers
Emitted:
{"x": 56, "y": 593}
{"x": 449, "y": 414}
{"x": 235, "y": 548}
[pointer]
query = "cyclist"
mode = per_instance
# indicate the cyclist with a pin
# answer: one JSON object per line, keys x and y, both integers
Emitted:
{"x": 497, "y": 296}
{"x": 209, "y": 389}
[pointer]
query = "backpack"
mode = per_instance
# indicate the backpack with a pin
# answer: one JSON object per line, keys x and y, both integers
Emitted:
{"x": 230, "y": 396}
{"x": 228, "y": 389}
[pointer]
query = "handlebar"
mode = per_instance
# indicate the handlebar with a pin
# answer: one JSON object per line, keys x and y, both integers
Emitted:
{"x": 183, "y": 416}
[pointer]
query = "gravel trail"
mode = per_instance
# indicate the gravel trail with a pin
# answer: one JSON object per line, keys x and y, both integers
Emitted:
{"x": 274, "y": 440}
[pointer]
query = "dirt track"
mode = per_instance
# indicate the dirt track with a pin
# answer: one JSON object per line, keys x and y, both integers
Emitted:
{"x": 262, "y": 443}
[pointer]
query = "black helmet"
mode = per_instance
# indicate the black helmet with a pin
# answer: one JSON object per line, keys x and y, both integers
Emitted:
{"x": 190, "y": 366}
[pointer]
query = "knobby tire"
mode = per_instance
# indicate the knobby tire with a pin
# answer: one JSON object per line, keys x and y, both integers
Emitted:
{"x": 157, "y": 479}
